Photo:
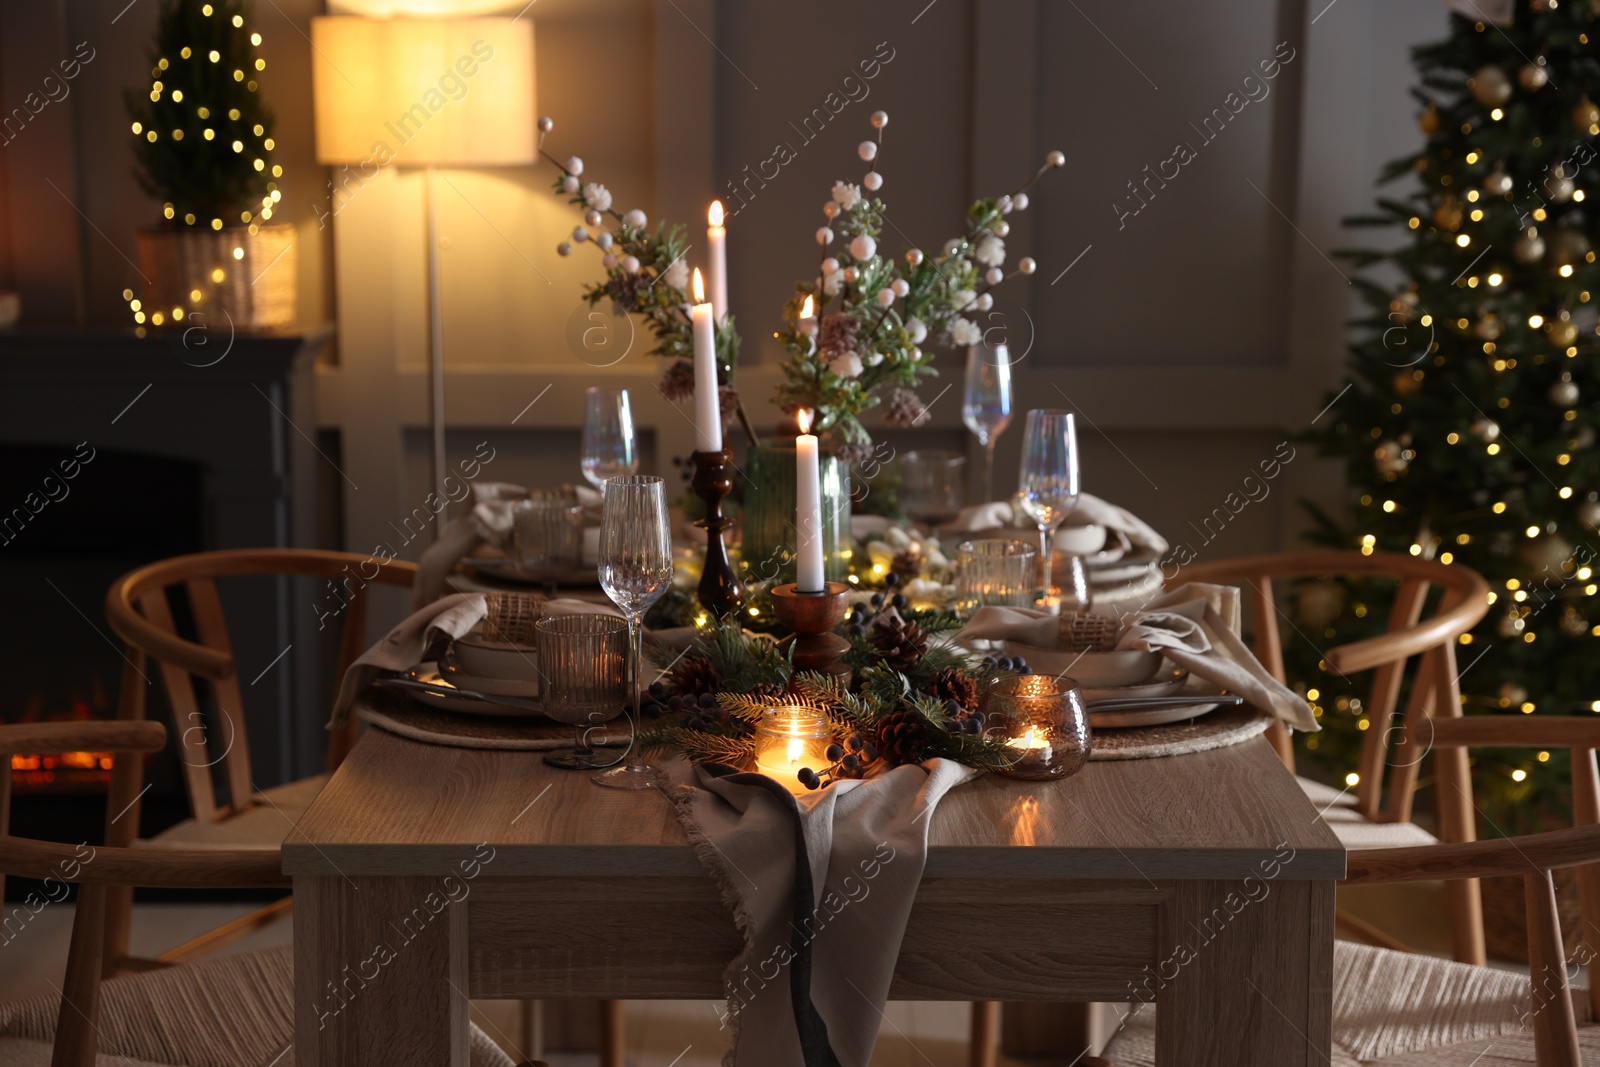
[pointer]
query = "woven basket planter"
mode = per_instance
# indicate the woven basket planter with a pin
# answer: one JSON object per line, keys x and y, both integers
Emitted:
{"x": 245, "y": 278}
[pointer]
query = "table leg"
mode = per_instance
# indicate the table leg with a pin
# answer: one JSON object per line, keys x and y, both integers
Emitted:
{"x": 380, "y": 973}
{"x": 1244, "y": 975}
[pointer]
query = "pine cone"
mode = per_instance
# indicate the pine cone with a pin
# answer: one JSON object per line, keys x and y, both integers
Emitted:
{"x": 769, "y": 691}
{"x": 677, "y": 384}
{"x": 837, "y": 336}
{"x": 903, "y": 408}
{"x": 953, "y": 683}
{"x": 902, "y": 737}
{"x": 907, "y": 563}
{"x": 693, "y": 675}
{"x": 625, "y": 288}
{"x": 903, "y": 644}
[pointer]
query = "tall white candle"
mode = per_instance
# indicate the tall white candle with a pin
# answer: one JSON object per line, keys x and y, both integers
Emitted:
{"x": 717, "y": 239}
{"x": 807, "y": 510}
{"x": 807, "y": 323}
{"x": 707, "y": 406}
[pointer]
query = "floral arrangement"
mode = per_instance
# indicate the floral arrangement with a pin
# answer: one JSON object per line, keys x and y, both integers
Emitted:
{"x": 646, "y": 273}
{"x": 909, "y": 562}
{"x": 855, "y": 332}
{"x": 910, "y": 700}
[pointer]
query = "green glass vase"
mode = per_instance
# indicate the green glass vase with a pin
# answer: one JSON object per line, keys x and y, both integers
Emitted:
{"x": 769, "y": 529}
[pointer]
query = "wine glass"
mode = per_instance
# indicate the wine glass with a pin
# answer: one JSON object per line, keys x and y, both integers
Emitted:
{"x": 986, "y": 402}
{"x": 1048, "y": 480}
{"x": 635, "y": 570}
{"x": 608, "y": 445}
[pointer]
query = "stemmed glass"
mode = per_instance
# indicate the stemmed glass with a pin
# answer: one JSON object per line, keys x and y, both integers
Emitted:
{"x": 986, "y": 402}
{"x": 1048, "y": 479}
{"x": 608, "y": 445}
{"x": 635, "y": 570}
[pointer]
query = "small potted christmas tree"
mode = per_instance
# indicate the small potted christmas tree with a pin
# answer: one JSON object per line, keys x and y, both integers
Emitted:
{"x": 204, "y": 139}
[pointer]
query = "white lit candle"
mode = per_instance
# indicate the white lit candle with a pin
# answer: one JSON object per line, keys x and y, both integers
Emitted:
{"x": 707, "y": 405}
{"x": 807, "y": 509}
{"x": 808, "y": 322}
{"x": 1032, "y": 738}
{"x": 717, "y": 238}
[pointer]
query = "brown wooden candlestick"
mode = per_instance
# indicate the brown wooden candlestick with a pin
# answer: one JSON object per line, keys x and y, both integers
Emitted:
{"x": 812, "y": 617}
{"x": 720, "y": 591}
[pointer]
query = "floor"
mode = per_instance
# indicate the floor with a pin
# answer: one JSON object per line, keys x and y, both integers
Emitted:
{"x": 660, "y": 1033}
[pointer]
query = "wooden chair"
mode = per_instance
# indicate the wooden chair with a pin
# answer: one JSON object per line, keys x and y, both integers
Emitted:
{"x": 226, "y": 1011}
{"x": 1392, "y": 1007}
{"x": 140, "y": 610}
{"x": 1369, "y": 817}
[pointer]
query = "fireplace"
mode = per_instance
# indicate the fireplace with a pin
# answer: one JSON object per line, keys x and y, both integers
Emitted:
{"x": 117, "y": 451}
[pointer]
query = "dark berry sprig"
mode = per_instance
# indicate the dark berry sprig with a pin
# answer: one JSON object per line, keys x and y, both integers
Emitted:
{"x": 850, "y": 760}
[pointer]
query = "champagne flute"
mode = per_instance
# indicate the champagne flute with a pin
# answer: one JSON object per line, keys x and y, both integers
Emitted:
{"x": 635, "y": 570}
{"x": 986, "y": 402}
{"x": 608, "y": 442}
{"x": 1048, "y": 480}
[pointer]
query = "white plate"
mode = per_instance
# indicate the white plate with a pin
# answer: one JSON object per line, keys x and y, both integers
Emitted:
{"x": 506, "y": 570}
{"x": 429, "y": 673}
{"x": 494, "y": 687}
{"x": 1192, "y": 686}
{"x": 1170, "y": 682}
{"x": 1096, "y": 669}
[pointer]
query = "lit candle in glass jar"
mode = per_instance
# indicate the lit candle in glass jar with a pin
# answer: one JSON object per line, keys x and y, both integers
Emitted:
{"x": 789, "y": 739}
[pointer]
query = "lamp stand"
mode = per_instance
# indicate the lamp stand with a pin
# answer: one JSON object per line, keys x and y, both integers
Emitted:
{"x": 435, "y": 354}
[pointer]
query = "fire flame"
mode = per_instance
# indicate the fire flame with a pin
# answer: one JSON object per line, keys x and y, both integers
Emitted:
{"x": 806, "y": 308}
{"x": 803, "y": 417}
{"x": 699, "y": 287}
{"x": 714, "y": 216}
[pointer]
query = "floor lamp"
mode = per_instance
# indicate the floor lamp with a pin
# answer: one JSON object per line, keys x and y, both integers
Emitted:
{"x": 422, "y": 93}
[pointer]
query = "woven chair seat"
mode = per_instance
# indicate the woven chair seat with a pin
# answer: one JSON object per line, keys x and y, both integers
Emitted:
{"x": 276, "y": 812}
{"x": 1402, "y": 1010}
{"x": 1355, "y": 831}
{"x": 235, "y": 1011}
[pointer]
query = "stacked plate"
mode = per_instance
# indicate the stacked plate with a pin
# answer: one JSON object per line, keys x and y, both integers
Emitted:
{"x": 478, "y": 675}
{"x": 1127, "y": 687}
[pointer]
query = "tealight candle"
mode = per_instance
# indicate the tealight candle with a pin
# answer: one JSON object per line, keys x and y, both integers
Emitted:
{"x": 789, "y": 739}
{"x": 1045, "y": 724}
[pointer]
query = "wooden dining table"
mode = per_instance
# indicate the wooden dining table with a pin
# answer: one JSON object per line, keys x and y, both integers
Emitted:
{"x": 426, "y": 876}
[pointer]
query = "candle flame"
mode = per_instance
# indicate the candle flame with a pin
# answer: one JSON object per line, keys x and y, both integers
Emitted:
{"x": 714, "y": 216}
{"x": 699, "y": 287}
{"x": 797, "y": 749}
{"x": 806, "y": 309}
{"x": 803, "y": 417}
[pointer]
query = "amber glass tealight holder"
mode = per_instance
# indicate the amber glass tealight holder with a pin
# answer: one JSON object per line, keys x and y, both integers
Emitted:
{"x": 1043, "y": 721}
{"x": 791, "y": 738}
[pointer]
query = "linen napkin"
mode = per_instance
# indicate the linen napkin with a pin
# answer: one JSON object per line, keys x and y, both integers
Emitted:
{"x": 1091, "y": 511}
{"x": 1185, "y": 626}
{"x": 1193, "y": 625}
{"x": 820, "y": 886}
{"x": 411, "y": 642}
{"x": 487, "y": 522}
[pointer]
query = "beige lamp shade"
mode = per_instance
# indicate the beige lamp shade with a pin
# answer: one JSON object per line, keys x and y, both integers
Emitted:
{"x": 452, "y": 92}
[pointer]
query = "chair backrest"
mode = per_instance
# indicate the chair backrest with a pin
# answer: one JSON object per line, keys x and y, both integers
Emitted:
{"x": 1532, "y": 858}
{"x": 1463, "y": 602}
{"x": 140, "y": 610}
{"x": 96, "y": 870}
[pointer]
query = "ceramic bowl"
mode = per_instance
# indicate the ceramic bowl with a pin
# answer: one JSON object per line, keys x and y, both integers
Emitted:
{"x": 1171, "y": 680}
{"x": 480, "y": 657}
{"x": 1080, "y": 540}
{"x": 1092, "y": 670}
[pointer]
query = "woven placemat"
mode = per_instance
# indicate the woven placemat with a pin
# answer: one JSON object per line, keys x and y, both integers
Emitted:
{"x": 397, "y": 713}
{"x": 1217, "y": 729}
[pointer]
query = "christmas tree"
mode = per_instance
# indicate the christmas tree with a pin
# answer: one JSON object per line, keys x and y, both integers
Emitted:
{"x": 1469, "y": 421}
{"x": 204, "y": 135}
